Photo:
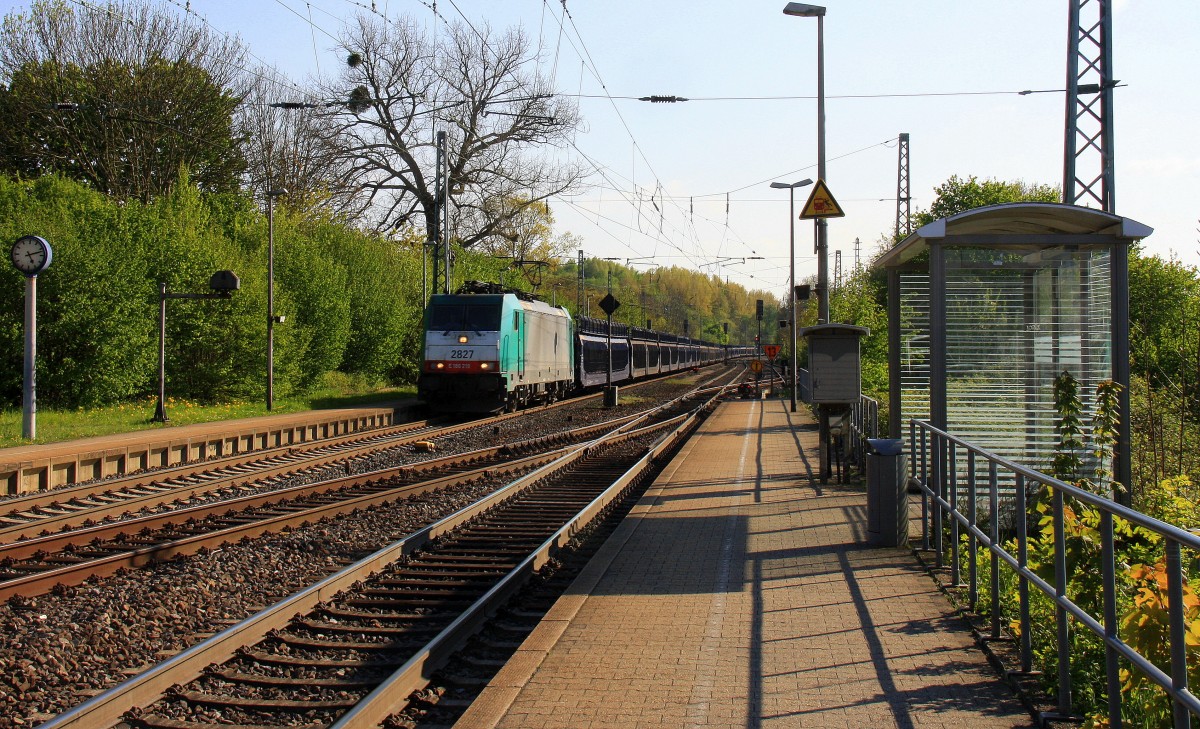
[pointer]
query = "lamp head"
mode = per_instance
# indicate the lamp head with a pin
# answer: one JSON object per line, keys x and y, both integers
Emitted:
{"x": 804, "y": 10}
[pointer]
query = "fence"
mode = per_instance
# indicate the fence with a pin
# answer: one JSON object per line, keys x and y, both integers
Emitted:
{"x": 940, "y": 459}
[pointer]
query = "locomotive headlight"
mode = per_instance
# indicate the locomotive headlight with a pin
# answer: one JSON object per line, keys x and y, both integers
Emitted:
{"x": 484, "y": 365}
{"x": 462, "y": 338}
{"x": 440, "y": 365}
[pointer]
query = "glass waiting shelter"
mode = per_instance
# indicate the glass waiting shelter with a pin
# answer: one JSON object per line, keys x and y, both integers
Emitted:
{"x": 988, "y": 306}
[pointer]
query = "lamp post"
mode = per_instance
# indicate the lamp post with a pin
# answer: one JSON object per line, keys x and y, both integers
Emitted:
{"x": 271, "y": 195}
{"x": 791, "y": 188}
{"x": 804, "y": 10}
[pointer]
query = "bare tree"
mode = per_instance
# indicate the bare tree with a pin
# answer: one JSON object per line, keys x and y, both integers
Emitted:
{"x": 285, "y": 145}
{"x": 482, "y": 88}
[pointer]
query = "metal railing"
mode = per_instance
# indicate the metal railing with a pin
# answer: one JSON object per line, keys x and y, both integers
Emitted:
{"x": 941, "y": 459}
{"x": 864, "y": 423}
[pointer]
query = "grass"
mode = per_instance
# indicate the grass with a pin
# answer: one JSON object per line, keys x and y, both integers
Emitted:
{"x": 60, "y": 425}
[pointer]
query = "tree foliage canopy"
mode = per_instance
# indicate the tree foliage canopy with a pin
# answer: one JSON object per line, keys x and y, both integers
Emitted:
{"x": 122, "y": 97}
{"x": 956, "y": 195}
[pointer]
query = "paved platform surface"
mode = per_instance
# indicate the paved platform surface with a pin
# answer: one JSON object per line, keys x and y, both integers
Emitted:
{"x": 741, "y": 593}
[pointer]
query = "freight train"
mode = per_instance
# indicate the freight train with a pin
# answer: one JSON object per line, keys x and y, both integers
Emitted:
{"x": 488, "y": 349}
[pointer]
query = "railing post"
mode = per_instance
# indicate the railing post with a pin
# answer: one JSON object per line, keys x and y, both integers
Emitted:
{"x": 994, "y": 546}
{"x": 924, "y": 492}
{"x": 972, "y": 544}
{"x": 1022, "y": 581}
{"x": 939, "y": 493}
{"x": 952, "y": 512}
{"x": 1178, "y": 632}
{"x": 1063, "y": 643}
{"x": 1112, "y": 665}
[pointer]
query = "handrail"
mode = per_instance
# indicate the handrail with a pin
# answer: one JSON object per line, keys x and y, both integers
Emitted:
{"x": 935, "y": 469}
{"x": 864, "y": 424}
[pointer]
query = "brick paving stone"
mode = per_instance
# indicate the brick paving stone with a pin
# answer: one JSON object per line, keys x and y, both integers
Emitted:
{"x": 740, "y": 592}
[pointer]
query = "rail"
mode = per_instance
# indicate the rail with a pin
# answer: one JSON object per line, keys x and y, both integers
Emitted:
{"x": 941, "y": 458}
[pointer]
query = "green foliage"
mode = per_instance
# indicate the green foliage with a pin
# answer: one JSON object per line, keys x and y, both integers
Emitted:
{"x": 140, "y": 108}
{"x": 957, "y": 195}
{"x": 1140, "y": 576}
{"x": 1067, "y": 462}
{"x": 351, "y": 300}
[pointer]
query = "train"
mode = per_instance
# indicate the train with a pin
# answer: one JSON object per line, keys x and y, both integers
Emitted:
{"x": 488, "y": 349}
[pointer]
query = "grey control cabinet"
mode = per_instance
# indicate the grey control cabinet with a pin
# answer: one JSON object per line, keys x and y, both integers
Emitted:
{"x": 834, "y": 362}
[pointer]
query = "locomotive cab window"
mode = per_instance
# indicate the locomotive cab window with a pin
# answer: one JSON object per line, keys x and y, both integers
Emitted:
{"x": 464, "y": 317}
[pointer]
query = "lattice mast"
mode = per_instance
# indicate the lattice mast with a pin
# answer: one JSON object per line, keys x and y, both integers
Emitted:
{"x": 903, "y": 198}
{"x": 1088, "y": 153}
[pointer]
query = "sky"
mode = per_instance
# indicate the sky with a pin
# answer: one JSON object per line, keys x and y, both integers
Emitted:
{"x": 687, "y": 184}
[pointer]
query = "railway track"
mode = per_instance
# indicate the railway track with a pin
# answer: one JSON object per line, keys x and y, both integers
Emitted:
{"x": 349, "y": 650}
{"x": 35, "y": 566}
{"x": 62, "y": 510}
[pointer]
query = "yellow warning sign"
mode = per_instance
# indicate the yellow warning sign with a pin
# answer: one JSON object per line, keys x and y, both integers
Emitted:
{"x": 821, "y": 204}
{"x": 756, "y": 366}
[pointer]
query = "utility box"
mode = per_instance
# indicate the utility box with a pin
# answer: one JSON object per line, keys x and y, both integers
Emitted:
{"x": 834, "y": 363}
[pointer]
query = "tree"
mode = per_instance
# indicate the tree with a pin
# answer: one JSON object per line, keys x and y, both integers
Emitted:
{"x": 284, "y": 147}
{"x": 956, "y": 195}
{"x": 122, "y": 97}
{"x": 403, "y": 87}
{"x": 528, "y": 237}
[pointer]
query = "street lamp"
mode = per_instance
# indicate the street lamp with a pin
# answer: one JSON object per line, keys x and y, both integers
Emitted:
{"x": 271, "y": 319}
{"x": 804, "y": 10}
{"x": 791, "y": 188}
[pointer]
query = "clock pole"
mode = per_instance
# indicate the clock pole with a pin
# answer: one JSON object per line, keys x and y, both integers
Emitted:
{"x": 29, "y": 417}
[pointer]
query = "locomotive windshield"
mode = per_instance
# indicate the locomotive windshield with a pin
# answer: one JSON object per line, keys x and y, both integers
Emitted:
{"x": 460, "y": 316}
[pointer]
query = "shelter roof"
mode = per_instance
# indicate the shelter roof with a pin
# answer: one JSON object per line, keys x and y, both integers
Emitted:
{"x": 1021, "y": 224}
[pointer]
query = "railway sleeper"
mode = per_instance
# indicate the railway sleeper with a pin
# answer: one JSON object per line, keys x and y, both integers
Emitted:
{"x": 338, "y": 613}
{"x": 154, "y": 721}
{"x": 252, "y": 679}
{"x": 342, "y": 628}
{"x": 300, "y": 662}
{"x": 205, "y": 699}
{"x": 298, "y": 641}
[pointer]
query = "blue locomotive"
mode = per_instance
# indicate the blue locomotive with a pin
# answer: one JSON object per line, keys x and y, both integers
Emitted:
{"x": 487, "y": 350}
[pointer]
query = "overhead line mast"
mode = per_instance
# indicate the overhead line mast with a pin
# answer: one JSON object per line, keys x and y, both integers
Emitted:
{"x": 1088, "y": 152}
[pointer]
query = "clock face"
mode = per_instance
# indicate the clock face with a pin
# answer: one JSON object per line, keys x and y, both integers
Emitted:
{"x": 31, "y": 255}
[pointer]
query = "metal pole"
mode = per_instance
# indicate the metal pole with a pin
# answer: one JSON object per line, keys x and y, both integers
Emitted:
{"x": 444, "y": 204}
{"x": 608, "y": 334}
{"x": 822, "y": 225}
{"x": 29, "y": 410}
{"x": 160, "y": 412}
{"x": 270, "y": 300}
{"x": 792, "y": 287}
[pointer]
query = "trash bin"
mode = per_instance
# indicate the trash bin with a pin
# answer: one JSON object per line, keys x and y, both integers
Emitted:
{"x": 887, "y": 492}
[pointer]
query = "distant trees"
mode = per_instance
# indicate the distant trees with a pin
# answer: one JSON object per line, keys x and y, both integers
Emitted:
{"x": 478, "y": 86}
{"x": 120, "y": 97}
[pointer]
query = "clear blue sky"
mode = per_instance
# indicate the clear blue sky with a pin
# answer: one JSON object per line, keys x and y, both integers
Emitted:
{"x": 694, "y": 153}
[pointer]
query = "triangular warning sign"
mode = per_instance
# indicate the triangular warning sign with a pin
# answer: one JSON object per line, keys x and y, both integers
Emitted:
{"x": 821, "y": 204}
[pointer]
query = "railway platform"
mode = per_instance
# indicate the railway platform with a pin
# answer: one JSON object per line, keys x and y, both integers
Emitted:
{"x": 741, "y": 592}
{"x": 31, "y": 468}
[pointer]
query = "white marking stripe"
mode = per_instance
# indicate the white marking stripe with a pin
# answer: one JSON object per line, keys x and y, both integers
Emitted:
{"x": 706, "y": 669}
